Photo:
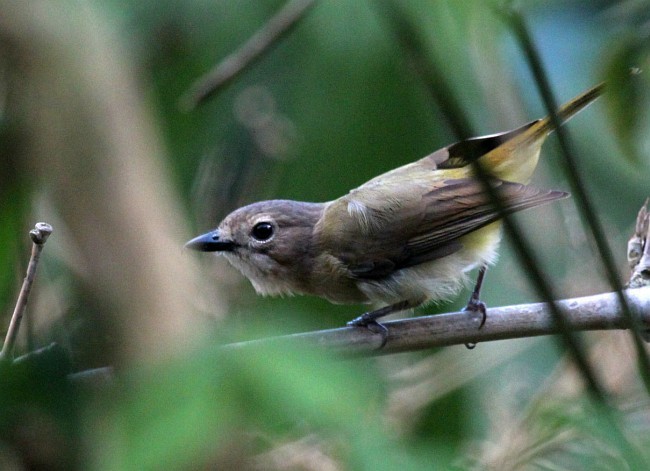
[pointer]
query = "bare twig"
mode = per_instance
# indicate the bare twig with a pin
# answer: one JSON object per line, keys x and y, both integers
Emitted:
{"x": 266, "y": 37}
{"x": 39, "y": 236}
{"x": 599, "y": 312}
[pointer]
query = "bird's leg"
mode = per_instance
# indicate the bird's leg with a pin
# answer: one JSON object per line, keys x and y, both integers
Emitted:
{"x": 475, "y": 305}
{"x": 369, "y": 319}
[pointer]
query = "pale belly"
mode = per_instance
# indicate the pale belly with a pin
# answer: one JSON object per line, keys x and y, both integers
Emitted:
{"x": 439, "y": 279}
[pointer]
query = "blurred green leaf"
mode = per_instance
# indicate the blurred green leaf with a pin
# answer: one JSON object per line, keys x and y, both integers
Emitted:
{"x": 185, "y": 413}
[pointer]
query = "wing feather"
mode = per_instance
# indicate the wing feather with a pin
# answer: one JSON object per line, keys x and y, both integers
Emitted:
{"x": 463, "y": 206}
{"x": 415, "y": 221}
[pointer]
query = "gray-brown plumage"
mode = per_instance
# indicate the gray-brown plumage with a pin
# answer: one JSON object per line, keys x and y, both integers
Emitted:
{"x": 361, "y": 249}
{"x": 403, "y": 238}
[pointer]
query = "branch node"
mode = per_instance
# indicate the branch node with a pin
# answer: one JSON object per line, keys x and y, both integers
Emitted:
{"x": 40, "y": 233}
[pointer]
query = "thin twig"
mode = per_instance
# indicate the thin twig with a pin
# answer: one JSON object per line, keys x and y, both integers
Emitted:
{"x": 598, "y": 312}
{"x": 229, "y": 68}
{"x": 39, "y": 236}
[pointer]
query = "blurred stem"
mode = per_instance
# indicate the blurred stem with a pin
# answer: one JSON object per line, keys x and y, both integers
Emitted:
{"x": 91, "y": 141}
{"x": 262, "y": 41}
{"x": 518, "y": 26}
{"x": 443, "y": 95}
{"x": 39, "y": 236}
{"x": 526, "y": 256}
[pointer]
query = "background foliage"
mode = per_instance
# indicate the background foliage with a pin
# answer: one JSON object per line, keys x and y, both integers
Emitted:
{"x": 94, "y": 142}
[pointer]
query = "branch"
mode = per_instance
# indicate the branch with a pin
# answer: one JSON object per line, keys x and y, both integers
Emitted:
{"x": 229, "y": 68}
{"x": 39, "y": 236}
{"x": 599, "y": 312}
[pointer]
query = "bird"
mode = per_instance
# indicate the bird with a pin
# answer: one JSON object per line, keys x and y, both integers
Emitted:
{"x": 401, "y": 240}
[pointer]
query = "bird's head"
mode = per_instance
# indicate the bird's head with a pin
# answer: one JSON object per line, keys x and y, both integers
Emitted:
{"x": 270, "y": 242}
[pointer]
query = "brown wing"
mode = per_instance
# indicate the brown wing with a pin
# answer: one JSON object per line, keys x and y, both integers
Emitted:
{"x": 425, "y": 227}
{"x": 462, "y": 206}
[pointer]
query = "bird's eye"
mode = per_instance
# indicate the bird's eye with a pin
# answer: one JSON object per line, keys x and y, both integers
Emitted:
{"x": 262, "y": 231}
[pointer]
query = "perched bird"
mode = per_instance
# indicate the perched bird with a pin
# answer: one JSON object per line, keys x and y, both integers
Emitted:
{"x": 404, "y": 238}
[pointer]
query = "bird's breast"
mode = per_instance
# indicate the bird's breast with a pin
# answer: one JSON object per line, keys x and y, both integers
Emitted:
{"x": 331, "y": 279}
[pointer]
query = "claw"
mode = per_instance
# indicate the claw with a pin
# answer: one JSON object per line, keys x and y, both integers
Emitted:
{"x": 367, "y": 321}
{"x": 477, "y": 306}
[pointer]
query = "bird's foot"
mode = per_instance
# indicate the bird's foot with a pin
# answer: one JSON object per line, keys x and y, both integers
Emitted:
{"x": 478, "y": 310}
{"x": 369, "y": 321}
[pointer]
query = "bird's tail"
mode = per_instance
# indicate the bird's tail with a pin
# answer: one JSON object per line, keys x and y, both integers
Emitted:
{"x": 567, "y": 111}
{"x": 516, "y": 158}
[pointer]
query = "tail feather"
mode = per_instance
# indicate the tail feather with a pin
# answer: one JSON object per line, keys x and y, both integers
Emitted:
{"x": 516, "y": 158}
{"x": 567, "y": 111}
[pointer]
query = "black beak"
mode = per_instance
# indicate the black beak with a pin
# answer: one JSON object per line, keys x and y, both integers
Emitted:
{"x": 210, "y": 242}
